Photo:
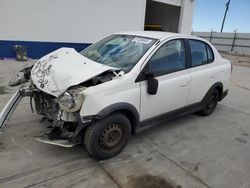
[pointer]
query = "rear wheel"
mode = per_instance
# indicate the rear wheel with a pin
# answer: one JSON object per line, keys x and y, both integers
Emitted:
{"x": 107, "y": 138}
{"x": 210, "y": 103}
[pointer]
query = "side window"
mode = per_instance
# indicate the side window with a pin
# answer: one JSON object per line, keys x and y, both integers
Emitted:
{"x": 210, "y": 54}
{"x": 201, "y": 53}
{"x": 170, "y": 57}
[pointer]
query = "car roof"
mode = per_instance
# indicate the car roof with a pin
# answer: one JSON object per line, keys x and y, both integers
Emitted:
{"x": 160, "y": 35}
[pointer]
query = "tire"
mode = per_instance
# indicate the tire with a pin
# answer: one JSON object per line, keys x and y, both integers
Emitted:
{"x": 107, "y": 137}
{"x": 210, "y": 103}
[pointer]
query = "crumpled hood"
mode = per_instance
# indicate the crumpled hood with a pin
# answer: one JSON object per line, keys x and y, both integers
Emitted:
{"x": 63, "y": 68}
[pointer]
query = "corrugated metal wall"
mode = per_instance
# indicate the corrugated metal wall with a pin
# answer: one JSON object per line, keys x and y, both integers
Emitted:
{"x": 228, "y": 42}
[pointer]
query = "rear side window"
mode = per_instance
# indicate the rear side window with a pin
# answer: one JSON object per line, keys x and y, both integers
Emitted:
{"x": 201, "y": 53}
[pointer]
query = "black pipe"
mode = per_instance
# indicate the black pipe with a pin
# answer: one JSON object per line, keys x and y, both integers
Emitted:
{"x": 227, "y": 7}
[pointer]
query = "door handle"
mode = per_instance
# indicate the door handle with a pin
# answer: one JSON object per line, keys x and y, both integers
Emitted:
{"x": 185, "y": 85}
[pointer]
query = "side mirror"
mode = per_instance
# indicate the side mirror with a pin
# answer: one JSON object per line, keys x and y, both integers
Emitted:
{"x": 152, "y": 83}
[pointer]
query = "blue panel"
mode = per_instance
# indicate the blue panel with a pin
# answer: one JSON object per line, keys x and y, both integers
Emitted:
{"x": 36, "y": 49}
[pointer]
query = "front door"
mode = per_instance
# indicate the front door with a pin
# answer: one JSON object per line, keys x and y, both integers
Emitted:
{"x": 168, "y": 64}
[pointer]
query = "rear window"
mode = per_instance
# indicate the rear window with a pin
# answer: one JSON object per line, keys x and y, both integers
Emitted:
{"x": 201, "y": 53}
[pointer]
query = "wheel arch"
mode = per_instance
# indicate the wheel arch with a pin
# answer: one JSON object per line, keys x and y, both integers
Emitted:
{"x": 218, "y": 86}
{"x": 125, "y": 108}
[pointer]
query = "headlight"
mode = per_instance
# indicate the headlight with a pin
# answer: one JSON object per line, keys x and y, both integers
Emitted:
{"x": 17, "y": 79}
{"x": 71, "y": 100}
{"x": 66, "y": 100}
{"x": 21, "y": 77}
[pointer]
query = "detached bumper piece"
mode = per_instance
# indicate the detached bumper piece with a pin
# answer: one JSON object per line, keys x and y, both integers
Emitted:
{"x": 57, "y": 142}
{"x": 9, "y": 109}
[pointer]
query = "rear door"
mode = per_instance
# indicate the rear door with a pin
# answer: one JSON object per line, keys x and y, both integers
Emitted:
{"x": 203, "y": 70}
{"x": 168, "y": 64}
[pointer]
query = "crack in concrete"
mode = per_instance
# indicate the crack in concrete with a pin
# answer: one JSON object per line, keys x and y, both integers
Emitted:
{"x": 177, "y": 164}
{"x": 60, "y": 176}
{"x": 240, "y": 86}
{"x": 38, "y": 170}
{"x": 110, "y": 175}
{"x": 246, "y": 113}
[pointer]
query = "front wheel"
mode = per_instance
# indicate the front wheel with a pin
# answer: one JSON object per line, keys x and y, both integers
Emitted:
{"x": 210, "y": 103}
{"x": 107, "y": 137}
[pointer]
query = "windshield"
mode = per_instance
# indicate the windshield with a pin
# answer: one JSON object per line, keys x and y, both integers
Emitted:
{"x": 119, "y": 51}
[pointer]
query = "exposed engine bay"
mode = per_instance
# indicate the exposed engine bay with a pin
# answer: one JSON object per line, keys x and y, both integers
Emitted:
{"x": 64, "y": 122}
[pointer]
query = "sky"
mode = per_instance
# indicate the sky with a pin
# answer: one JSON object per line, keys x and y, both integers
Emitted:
{"x": 209, "y": 14}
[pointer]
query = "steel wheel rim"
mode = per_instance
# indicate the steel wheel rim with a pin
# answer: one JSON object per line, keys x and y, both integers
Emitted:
{"x": 111, "y": 136}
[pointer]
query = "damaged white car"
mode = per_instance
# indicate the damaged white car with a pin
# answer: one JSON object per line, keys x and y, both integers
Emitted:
{"x": 120, "y": 85}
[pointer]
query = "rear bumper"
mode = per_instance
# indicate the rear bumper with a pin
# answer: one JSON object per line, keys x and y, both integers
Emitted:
{"x": 223, "y": 95}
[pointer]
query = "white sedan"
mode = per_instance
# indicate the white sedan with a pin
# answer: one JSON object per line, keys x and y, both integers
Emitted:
{"x": 119, "y": 86}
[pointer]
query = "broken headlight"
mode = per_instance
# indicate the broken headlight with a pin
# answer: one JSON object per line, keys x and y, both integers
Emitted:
{"x": 17, "y": 79}
{"x": 71, "y": 100}
{"x": 66, "y": 100}
{"x": 21, "y": 77}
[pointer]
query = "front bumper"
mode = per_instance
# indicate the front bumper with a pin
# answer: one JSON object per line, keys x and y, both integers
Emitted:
{"x": 73, "y": 137}
{"x": 11, "y": 106}
{"x": 9, "y": 109}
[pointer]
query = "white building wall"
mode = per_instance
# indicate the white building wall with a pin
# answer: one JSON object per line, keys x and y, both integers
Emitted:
{"x": 186, "y": 16}
{"x": 80, "y": 21}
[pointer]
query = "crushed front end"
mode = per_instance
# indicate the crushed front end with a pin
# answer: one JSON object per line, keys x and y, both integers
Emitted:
{"x": 55, "y": 85}
{"x": 60, "y": 115}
